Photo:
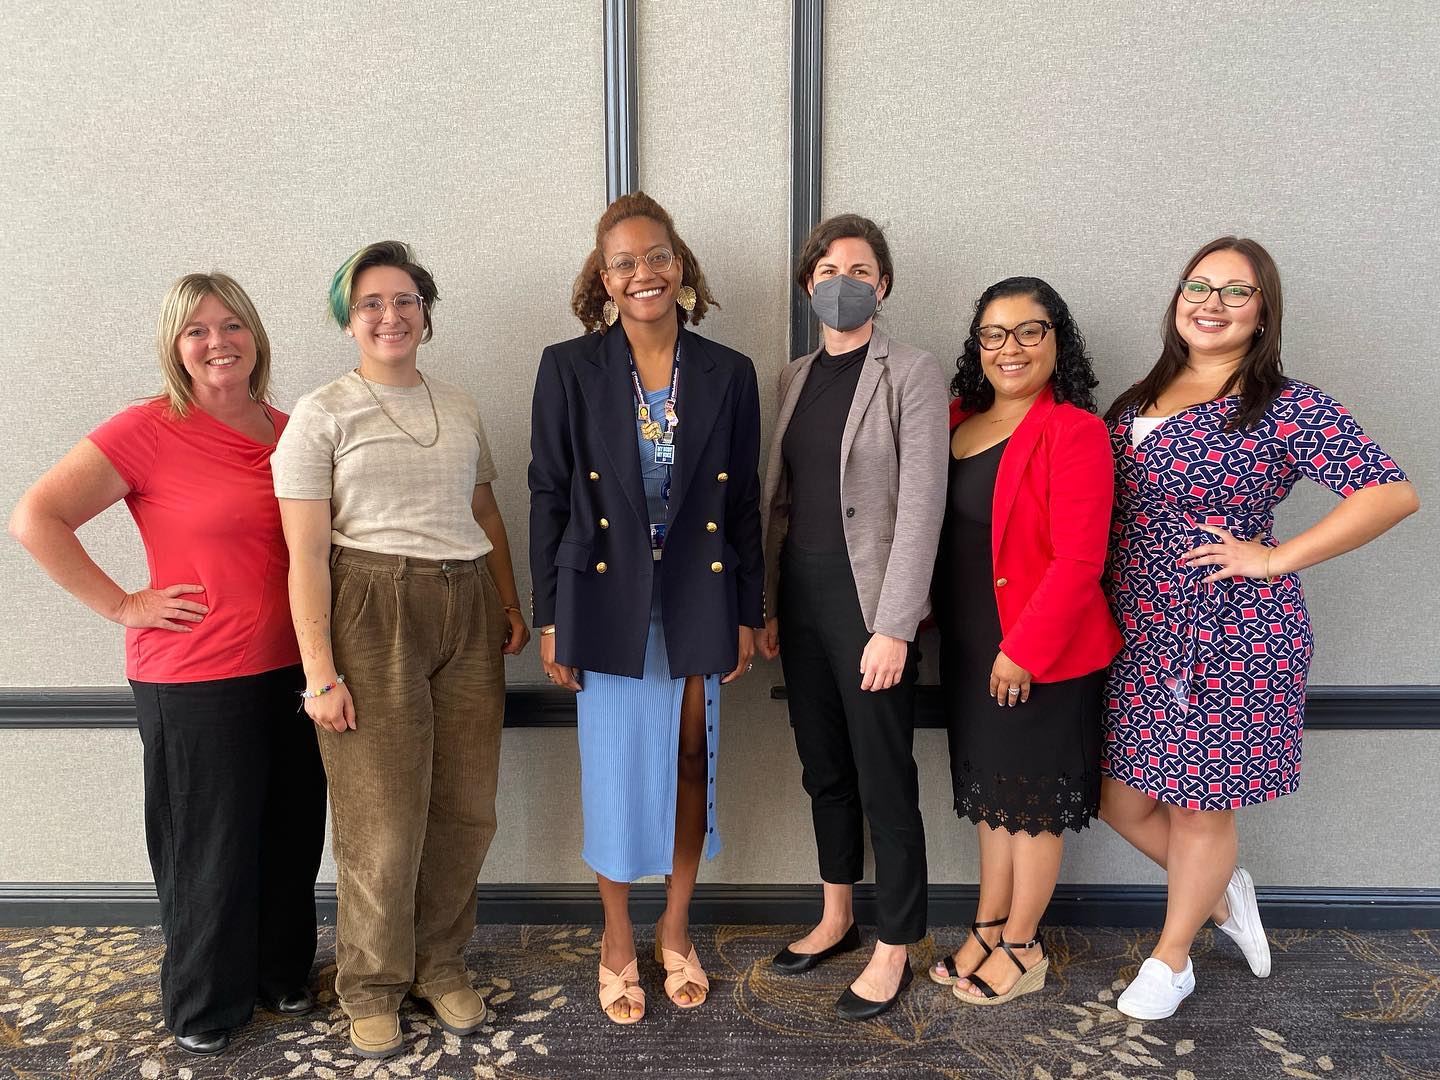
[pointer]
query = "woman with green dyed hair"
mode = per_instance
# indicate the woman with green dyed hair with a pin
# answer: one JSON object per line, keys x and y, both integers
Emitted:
{"x": 404, "y": 604}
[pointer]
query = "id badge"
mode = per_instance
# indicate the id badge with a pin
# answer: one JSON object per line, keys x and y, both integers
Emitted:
{"x": 664, "y": 453}
{"x": 657, "y": 537}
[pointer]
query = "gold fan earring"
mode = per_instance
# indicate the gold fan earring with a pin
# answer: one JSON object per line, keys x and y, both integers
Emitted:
{"x": 609, "y": 313}
{"x": 685, "y": 297}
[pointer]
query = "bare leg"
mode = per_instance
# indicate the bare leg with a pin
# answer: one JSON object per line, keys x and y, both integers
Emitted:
{"x": 617, "y": 946}
{"x": 996, "y": 878}
{"x": 1145, "y": 823}
{"x": 881, "y": 977}
{"x": 1202, "y": 855}
{"x": 692, "y": 770}
{"x": 835, "y": 919}
{"x": 1036, "y": 869}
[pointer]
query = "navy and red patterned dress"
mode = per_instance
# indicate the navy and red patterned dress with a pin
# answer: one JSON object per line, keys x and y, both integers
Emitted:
{"x": 1205, "y": 704}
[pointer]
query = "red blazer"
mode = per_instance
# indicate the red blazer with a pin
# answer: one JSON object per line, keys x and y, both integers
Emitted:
{"x": 1051, "y": 526}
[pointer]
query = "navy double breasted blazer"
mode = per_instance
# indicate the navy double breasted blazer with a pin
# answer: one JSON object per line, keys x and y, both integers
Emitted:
{"x": 590, "y": 560}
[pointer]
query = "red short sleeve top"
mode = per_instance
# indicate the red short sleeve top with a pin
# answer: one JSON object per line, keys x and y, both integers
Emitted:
{"x": 203, "y": 498}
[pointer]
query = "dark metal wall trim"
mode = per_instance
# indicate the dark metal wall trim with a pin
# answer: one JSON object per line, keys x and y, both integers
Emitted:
{"x": 1346, "y": 708}
{"x": 114, "y": 707}
{"x": 807, "y": 46}
{"x": 622, "y": 169}
{"x": 134, "y": 904}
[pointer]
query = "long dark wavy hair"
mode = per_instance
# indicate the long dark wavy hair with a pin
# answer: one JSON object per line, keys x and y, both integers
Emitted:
{"x": 1074, "y": 377}
{"x": 1259, "y": 377}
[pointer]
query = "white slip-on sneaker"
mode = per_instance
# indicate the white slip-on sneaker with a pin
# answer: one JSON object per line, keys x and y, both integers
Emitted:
{"x": 1156, "y": 991}
{"x": 1244, "y": 922}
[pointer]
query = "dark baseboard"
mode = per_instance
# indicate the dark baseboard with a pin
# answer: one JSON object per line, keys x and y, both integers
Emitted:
{"x": 1346, "y": 708}
{"x": 134, "y": 904}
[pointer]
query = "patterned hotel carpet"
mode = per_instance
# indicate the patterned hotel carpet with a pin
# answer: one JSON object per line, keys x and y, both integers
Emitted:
{"x": 81, "y": 1003}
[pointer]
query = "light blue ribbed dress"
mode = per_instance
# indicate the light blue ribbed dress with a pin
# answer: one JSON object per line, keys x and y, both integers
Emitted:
{"x": 630, "y": 738}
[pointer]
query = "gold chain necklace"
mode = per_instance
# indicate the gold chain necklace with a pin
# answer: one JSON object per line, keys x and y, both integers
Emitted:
{"x": 433, "y": 413}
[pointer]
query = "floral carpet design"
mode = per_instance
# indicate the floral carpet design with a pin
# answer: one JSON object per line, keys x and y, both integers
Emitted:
{"x": 84, "y": 1002}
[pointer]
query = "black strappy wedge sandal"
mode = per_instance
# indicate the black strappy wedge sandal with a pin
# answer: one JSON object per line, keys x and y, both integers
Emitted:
{"x": 1031, "y": 978}
{"x": 952, "y": 973}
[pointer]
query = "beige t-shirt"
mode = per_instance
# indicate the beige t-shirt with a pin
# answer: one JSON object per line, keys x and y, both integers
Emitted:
{"x": 386, "y": 493}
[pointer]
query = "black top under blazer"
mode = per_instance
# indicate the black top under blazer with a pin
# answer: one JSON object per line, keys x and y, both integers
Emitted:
{"x": 590, "y": 560}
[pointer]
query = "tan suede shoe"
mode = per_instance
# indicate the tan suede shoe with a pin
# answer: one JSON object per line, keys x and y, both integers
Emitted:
{"x": 460, "y": 1011}
{"x": 376, "y": 1036}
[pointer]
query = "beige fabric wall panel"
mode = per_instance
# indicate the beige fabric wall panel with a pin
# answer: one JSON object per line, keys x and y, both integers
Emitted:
{"x": 141, "y": 144}
{"x": 1097, "y": 145}
{"x": 714, "y": 143}
{"x": 1313, "y": 838}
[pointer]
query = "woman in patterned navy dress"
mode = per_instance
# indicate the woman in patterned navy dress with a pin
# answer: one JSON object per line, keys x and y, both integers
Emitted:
{"x": 1205, "y": 703}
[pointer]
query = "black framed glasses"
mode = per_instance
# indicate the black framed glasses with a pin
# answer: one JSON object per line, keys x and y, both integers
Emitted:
{"x": 658, "y": 259}
{"x": 1026, "y": 333}
{"x": 1197, "y": 292}
{"x": 372, "y": 308}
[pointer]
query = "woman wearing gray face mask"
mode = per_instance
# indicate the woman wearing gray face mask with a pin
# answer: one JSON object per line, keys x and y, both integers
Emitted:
{"x": 853, "y": 501}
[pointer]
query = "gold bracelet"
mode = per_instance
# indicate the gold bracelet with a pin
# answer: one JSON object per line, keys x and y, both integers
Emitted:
{"x": 548, "y": 630}
{"x": 512, "y": 607}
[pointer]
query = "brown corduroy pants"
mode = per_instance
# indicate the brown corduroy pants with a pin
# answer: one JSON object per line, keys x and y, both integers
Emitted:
{"x": 412, "y": 788}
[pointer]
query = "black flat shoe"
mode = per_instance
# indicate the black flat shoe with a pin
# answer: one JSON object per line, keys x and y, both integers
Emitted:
{"x": 852, "y": 1006}
{"x": 793, "y": 963}
{"x": 203, "y": 1044}
{"x": 298, "y": 1002}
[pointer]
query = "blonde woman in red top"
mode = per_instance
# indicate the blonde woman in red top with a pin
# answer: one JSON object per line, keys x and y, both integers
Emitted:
{"x": 234, "y": 790}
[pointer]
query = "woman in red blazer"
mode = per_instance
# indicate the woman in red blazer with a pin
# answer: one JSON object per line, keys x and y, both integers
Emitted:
{"x": 1025, "y": 631}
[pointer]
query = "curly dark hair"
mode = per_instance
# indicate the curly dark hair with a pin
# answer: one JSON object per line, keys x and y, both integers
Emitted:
{"x": 587, "y": 299}
{"x": 1074, "y": 377}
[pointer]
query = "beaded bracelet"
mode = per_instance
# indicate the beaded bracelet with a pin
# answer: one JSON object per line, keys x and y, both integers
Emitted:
{"x": 307, "y": 694}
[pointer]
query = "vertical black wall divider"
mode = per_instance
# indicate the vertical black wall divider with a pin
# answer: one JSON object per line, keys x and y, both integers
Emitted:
{"x": 622, "y": 169}
{"x": 807, "y": 46}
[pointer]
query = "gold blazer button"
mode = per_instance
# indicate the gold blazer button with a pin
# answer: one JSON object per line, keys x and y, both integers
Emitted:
{"x": 604, "y": 523}
{"x": 1001, "y": 582}
{"x": 716, "y": 567}
{"x": 594, "y": 476}
{"x": 722, "y": 477}
{"x": 600, "y": 568}
{"x": 710, "y": 526}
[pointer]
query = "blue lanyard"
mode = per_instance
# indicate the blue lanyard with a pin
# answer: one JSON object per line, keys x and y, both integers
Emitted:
{"x": 662, "y": 434}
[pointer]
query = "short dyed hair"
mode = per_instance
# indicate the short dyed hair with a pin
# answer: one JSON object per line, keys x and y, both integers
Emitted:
{"x": 841, "y": 227}
{"x": 588, "y": 295}
{"x": 394, "y": 253}
{"x": 176, "y": 311}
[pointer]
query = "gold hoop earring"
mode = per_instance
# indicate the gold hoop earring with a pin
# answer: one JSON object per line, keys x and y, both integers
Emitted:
{"x": 685, "y": 297}
{"x": 609, "y": 313}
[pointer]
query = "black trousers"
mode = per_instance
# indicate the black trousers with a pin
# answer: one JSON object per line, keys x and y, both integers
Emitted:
{"x": 235, "y": 825}
{"x": 856, "y": 746}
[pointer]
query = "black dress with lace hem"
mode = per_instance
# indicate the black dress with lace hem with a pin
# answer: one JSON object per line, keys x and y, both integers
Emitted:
{"x": 1034, "y": 767}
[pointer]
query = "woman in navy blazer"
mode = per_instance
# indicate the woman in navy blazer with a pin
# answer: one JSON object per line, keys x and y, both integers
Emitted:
{"x": 647, "y": 569}
{"x": 1025, "y": 630}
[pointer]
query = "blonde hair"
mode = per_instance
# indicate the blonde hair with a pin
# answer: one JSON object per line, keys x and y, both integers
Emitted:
{"x": 176, "y": 311}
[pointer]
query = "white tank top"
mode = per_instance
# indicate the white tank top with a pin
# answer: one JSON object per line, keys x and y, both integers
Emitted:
{"x": 1142, "y": 426}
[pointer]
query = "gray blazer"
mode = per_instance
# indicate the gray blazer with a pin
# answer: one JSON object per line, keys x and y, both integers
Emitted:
{"x": 894, "y": 466}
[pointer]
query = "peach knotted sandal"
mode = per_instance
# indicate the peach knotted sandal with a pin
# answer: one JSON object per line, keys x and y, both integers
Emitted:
{"x": 625, "y": 985}
{"x": 680, "y": 970}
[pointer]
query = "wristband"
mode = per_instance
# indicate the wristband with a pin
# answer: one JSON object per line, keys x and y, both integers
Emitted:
{"x": 308, "y": 694}
{"x": 547, "y": 631}
{"x": 516, "y": 610}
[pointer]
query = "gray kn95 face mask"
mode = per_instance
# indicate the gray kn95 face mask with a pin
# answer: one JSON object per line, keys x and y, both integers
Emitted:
{"x": 843, "y": 303}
